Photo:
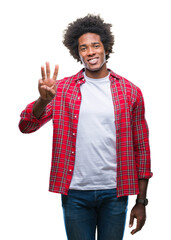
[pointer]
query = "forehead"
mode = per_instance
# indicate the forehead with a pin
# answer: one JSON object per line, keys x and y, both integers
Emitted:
{"x": 89, "y": 38}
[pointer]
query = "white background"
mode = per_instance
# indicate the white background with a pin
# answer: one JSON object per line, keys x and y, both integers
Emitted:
{"x": 31, "y": 34}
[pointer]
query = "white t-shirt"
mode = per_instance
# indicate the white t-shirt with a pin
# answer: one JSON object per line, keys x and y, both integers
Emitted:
{"x": 95, "y": 163}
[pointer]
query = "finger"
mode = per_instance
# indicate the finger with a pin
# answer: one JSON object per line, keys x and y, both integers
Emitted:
{"x": 49, "y": 91}
{"x": 41, "y": 81}
{"x": 43, "y": 73}
{"x": 47, "y": 69}
{"x": 52, "y": 92}
{"x": 138, "y": 227}
{"x": 131, "y": 221}
{"x": 53, "y": 86}
{"x": 55, "y": 72}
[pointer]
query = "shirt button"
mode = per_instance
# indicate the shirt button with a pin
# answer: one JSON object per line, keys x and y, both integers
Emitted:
{"x": 73, "y": 134}
{"x": 78, "y": 98}
{"x": 75, "y": 116}
{"x": 70, "y": 170}
{"x": 72, "y": 152}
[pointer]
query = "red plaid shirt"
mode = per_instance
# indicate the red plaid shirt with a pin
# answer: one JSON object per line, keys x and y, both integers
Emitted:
{"x": 132, "y": 137}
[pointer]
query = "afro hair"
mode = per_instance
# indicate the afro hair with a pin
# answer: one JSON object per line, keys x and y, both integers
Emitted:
{"x": 88, "y": 24}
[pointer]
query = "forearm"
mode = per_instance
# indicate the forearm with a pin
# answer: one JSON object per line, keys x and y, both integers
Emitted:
{"x": 143, "y": 184}
{"x": 139, "y": 210}
{"x": 39, "y": 107}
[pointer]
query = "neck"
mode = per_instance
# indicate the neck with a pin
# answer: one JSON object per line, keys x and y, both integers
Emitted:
{"x": 101, "y": 73}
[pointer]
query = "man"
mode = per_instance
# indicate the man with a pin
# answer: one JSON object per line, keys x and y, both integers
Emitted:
{"x": 101, "y": 148}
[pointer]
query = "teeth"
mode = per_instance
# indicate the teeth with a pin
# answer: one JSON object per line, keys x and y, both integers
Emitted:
{"x": 93, "y": 61}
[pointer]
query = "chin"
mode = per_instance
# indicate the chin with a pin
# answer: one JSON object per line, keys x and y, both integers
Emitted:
{"x": 93, "y": 69}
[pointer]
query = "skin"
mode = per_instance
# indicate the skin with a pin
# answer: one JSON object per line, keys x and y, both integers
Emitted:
{"x": 47, "y": 90}
{"x": 139, "y": 210}
{"x": 92, "y": 55}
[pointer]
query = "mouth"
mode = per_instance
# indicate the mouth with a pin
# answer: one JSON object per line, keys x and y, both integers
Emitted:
{"x": 93, "y": 61}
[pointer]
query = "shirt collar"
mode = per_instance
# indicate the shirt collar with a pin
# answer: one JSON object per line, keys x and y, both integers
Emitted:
{"x": 80, "y": 76}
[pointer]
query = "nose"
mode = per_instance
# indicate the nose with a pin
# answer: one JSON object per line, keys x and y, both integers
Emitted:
{"x": 90, "y": 51}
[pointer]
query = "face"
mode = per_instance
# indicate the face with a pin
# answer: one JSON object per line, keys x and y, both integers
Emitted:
{"x": 92, "y": 55}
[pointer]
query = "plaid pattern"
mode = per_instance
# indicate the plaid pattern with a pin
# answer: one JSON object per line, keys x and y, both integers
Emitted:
{"x": 132, "y": 136}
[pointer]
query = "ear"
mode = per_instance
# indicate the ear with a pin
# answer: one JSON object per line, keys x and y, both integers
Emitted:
{"x": 81, "y": 59}
{"x": 106, "y": 52}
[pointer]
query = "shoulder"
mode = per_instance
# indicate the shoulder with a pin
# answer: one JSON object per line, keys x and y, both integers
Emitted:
{"x": 127, "y": 86}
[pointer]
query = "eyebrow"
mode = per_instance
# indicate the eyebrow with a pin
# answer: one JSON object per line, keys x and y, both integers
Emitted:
{"x": 82, "y": 45}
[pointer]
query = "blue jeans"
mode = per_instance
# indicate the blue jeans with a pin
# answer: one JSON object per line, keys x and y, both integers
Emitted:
{"x": 84, "y": 210}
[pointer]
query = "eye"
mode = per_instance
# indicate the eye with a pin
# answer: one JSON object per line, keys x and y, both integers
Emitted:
{"x": 96, "y": 46}
{"x": 83, "y": 49}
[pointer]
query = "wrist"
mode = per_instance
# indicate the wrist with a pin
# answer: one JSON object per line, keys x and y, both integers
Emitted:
{"x": 142, "y": 201}
{"x": 39, "y": 107}
{"x": 44, "y": 101}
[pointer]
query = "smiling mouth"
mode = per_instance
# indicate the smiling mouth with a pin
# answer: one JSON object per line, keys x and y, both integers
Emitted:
{"x": 93, "y": 61}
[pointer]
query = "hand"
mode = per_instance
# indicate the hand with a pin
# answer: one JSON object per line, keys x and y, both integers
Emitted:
{"x": 47, "y": 85}
{"x": 138, "y": 212}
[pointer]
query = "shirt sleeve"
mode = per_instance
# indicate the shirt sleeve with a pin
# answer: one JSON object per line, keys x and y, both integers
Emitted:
{"x": 141, "y": 140}
{"x": 29, "y": 123}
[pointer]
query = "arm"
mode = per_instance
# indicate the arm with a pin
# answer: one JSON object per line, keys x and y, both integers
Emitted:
{"x": 39, "y": 112}
{"x": 141, "y": 139}
{"x": 39, "y": 107}
{"x": 143, "y": 184}
{"x": 29, "y": 123}
{"x": 139, "y": 210}
{"x": 143, "y": 163}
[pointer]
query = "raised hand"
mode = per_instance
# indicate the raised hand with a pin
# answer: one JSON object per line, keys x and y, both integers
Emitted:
{"x": 47, "y": 85}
